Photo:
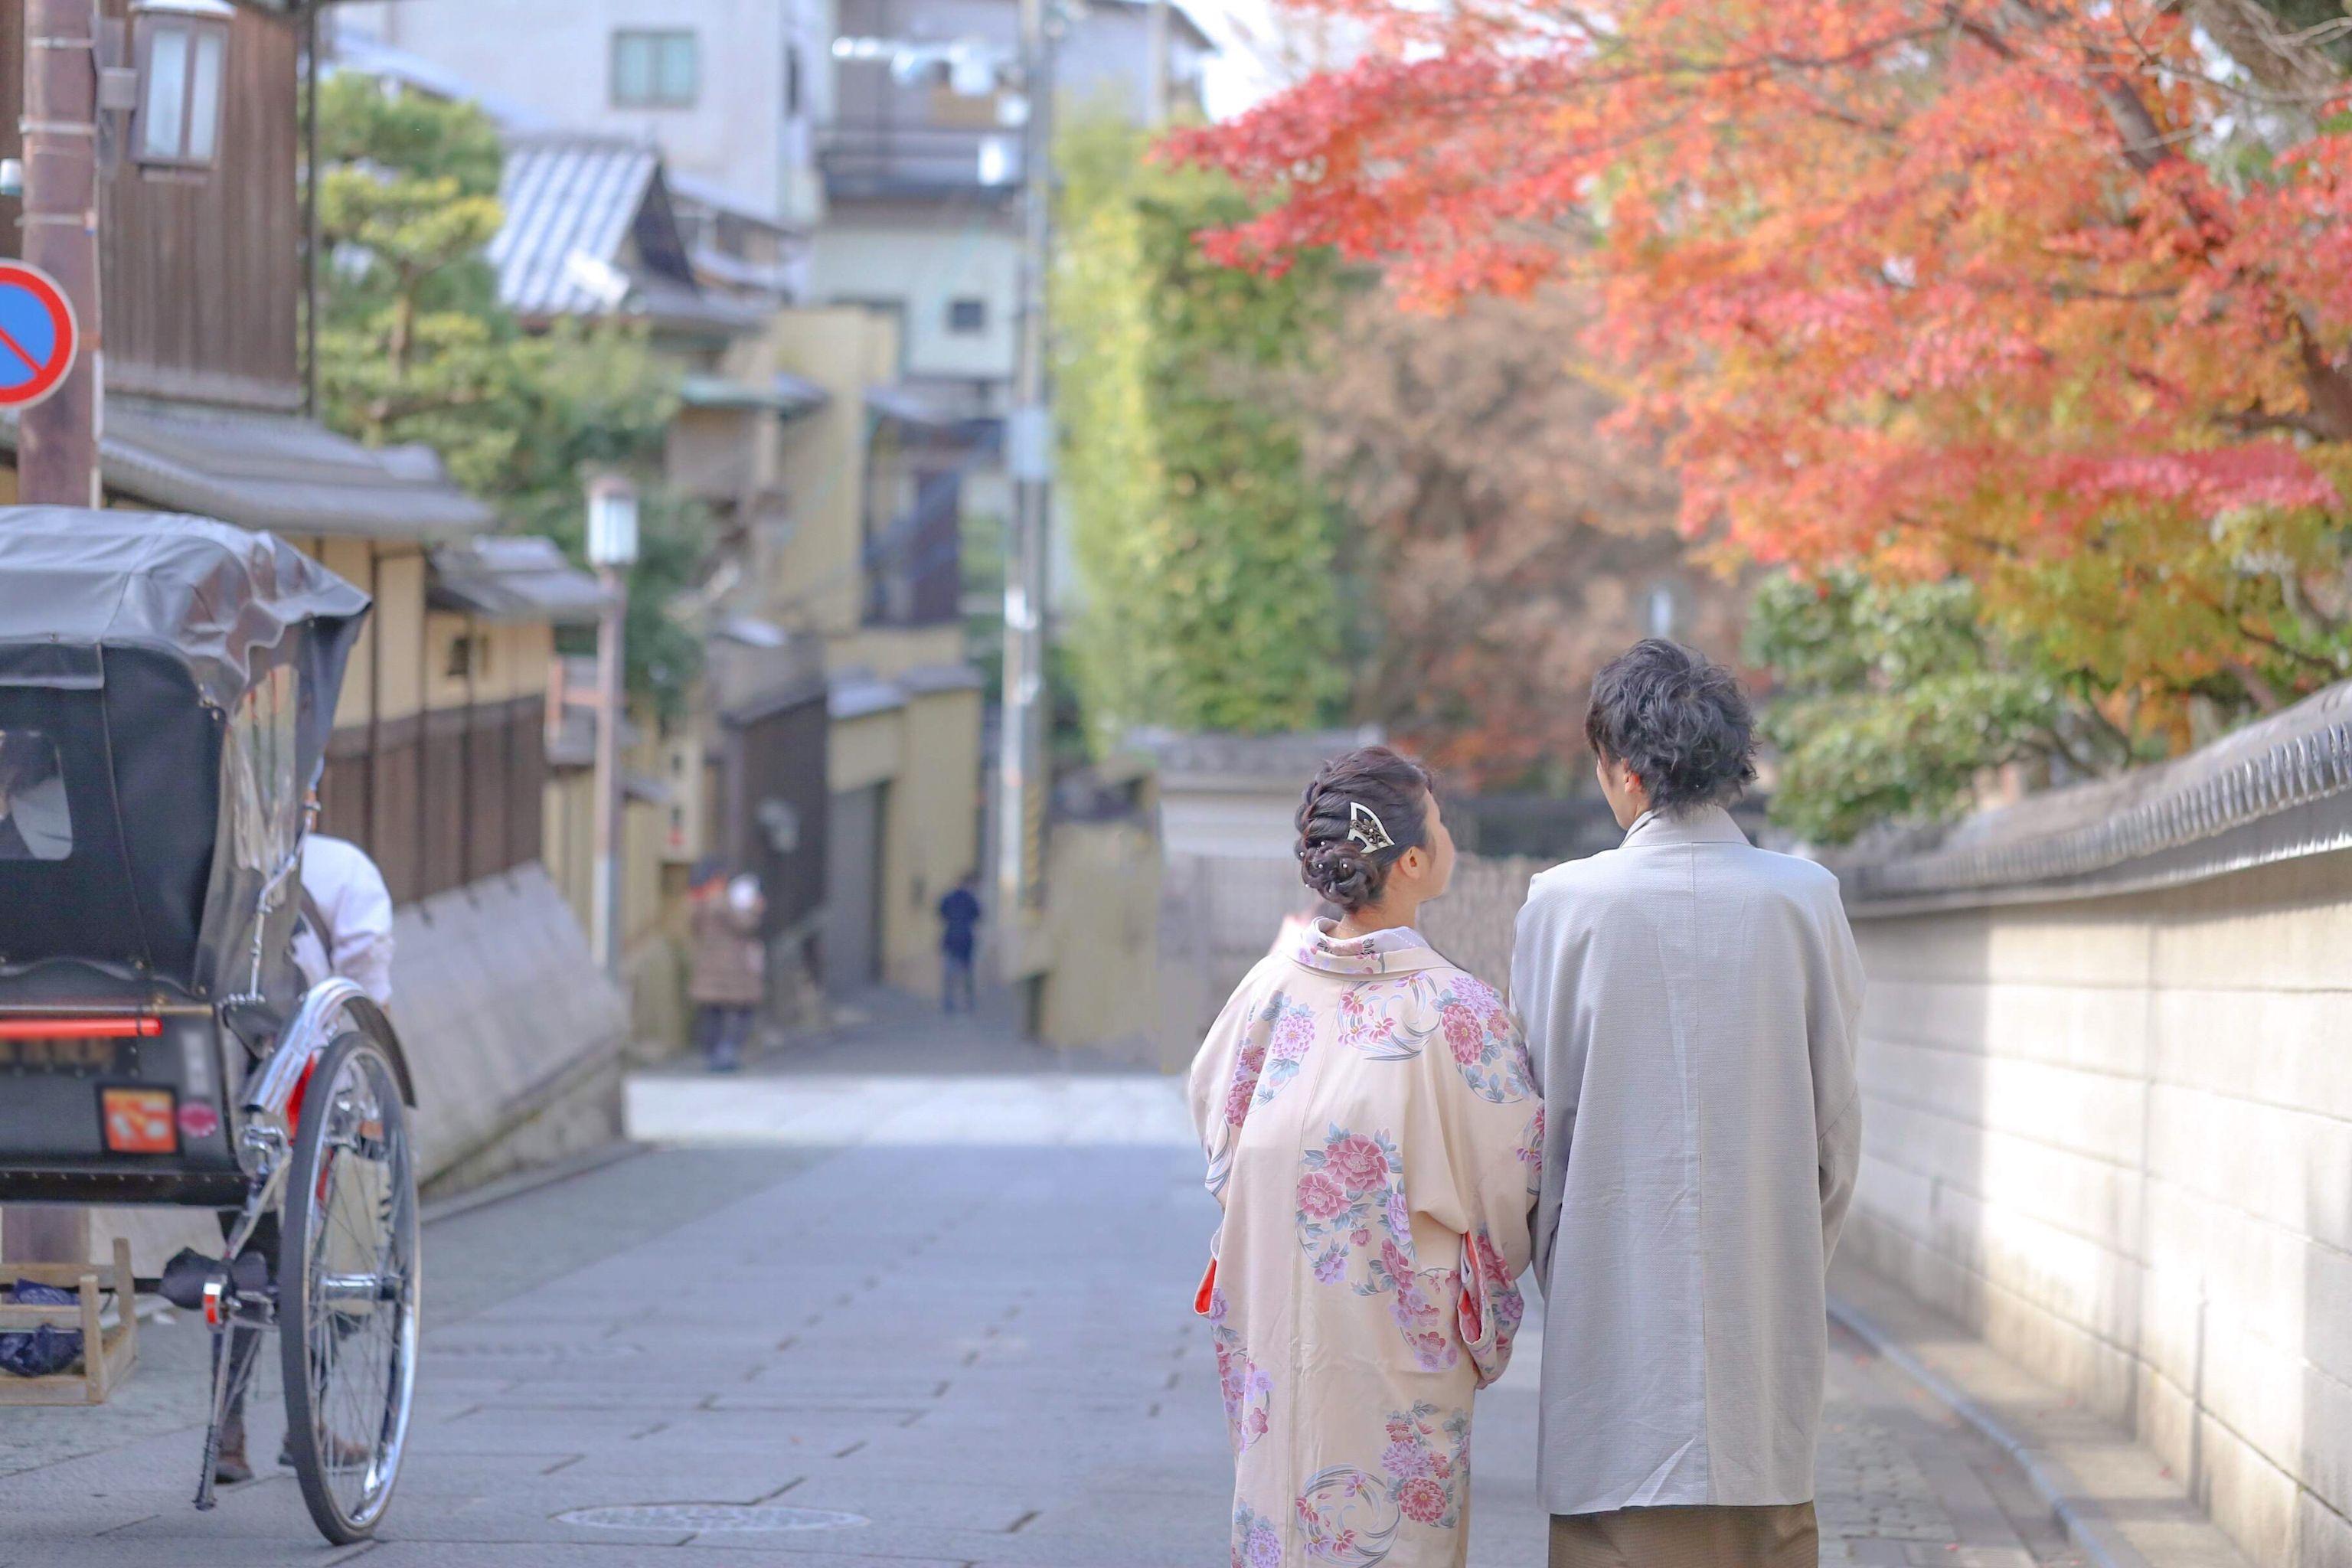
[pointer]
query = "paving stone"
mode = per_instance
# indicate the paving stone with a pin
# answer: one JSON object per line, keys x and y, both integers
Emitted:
{"x": 986, "y": 1349}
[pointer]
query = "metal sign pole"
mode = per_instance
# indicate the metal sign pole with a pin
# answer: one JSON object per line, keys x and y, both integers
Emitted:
{"x": 612, "y": 550}
{"x": 609, "y": 815}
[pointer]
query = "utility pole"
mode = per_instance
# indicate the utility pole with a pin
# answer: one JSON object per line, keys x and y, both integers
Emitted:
{"x": 1022, "y": 780}
{"x": 56, "y": 441}
{"x": 57, "y": 454}
{"x": 612, "y": 550}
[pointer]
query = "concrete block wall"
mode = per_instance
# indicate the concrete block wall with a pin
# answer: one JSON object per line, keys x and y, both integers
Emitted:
{"x": 512, "y": 1032}
{"x": 2114, "y": 1138}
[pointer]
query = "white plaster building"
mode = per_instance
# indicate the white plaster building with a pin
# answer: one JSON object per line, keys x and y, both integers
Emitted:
{"x": 731, "y": 91}
{"x": 905, "y": 189}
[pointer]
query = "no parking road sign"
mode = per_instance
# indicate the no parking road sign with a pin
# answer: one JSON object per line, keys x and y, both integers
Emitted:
{"x": 37, "y": 335}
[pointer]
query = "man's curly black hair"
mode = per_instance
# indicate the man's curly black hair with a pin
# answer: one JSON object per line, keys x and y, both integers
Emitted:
{"x": 1679, "y": 721}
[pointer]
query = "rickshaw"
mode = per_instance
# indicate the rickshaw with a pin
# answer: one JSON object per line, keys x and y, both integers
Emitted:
{"x": 167, "y": 687}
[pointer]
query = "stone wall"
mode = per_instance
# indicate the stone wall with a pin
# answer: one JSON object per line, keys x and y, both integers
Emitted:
{"x": 1475, "y": 924}
{"x": 2113, "y": 1136}
{"x": 1101, "y": 993}
{"x": 1219, "y": 914}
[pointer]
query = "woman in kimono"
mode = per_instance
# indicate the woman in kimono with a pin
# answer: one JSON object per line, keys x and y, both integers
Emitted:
{"x": 1372, "y": 1137}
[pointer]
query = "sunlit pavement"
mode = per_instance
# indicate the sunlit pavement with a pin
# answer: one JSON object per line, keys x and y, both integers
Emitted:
{"x": 945, "y": 1310}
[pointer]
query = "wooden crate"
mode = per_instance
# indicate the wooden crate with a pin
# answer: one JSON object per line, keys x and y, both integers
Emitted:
{"x": 107, "y": 1354}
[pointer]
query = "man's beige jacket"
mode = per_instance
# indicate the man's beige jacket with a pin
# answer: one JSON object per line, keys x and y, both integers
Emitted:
{"x": 1691, "y": 1004}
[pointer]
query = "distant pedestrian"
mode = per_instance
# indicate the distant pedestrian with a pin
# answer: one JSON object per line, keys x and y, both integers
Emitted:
{"x": 1691, "y": 1003}
{"x": 729, "y": 977}
{"x": 958, "y": 922}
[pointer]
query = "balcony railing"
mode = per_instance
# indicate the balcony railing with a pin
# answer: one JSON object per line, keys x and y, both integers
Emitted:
{"x": 879, "y": 162}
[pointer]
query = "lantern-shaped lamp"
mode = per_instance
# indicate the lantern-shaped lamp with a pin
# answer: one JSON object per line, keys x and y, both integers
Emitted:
{"x": 181, "y": 51}
{"x": 612, "y": 521}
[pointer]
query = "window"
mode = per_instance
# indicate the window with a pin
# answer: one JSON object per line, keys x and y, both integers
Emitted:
{"x": 34, "y": 823}
{"x": 656, "y": 70}
{"x": 792, "y": 81}
{"x": 181, "y": 60}
{"x": 967, "y": 315}
{"x": 470, "y": 657}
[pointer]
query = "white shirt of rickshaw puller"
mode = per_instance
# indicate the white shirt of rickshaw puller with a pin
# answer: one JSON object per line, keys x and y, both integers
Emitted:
{"x": 349, "y": 892}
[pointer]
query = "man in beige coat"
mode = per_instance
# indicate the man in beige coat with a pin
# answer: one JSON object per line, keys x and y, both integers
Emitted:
{"x": 1690, "y": 1003}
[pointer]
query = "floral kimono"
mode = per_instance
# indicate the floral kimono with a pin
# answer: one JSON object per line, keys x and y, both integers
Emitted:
{"x": 1373, "y": 1136}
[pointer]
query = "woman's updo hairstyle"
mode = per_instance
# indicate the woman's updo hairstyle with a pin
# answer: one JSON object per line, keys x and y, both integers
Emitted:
{"x": 1396, "y": 789}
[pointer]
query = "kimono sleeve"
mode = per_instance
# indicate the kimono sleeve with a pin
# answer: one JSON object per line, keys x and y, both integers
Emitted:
{"x": 1224, "y": 1077}
{"x": 1494, "y": 1136}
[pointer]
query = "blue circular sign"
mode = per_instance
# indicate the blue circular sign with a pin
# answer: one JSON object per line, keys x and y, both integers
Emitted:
{"x": 37, "y": 334}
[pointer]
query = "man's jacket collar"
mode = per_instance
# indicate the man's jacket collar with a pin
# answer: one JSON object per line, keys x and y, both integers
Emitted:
{"x": 1703, "y": 824}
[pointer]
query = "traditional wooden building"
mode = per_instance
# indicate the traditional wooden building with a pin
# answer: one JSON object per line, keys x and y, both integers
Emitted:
{"x": 437, "y": 763}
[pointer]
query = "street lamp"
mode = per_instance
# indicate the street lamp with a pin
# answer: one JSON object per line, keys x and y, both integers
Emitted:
{"x": 612, "y": 522}
{"x": 612, "y": 550}
{"x": 179, "y": 51}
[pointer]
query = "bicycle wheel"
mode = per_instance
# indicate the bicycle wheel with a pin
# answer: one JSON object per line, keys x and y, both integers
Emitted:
{"x": 347, "y": 1289}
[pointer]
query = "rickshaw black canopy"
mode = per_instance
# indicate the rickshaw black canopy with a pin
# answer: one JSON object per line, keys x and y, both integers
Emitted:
{"x": 173, "y": 681}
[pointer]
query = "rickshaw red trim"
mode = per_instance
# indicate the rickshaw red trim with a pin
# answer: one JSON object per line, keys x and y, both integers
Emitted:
{"x": 79, "y": 1028}
{"x": 302, "y": 1092}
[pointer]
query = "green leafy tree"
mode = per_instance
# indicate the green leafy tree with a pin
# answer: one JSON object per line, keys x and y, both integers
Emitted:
{"x": 414, "y": 346}
{"x": 1892, "y": 698}
{"x": 1205, "y": 547}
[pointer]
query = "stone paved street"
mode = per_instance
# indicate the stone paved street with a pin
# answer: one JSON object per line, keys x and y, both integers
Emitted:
{"x": 962, "y": 1320}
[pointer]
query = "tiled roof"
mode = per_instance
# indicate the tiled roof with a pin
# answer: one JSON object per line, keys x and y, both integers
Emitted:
{"x": 278, "y": 473}
{"x": 719, "y": 198}
{"x": 1279, "y": 763}
{"x": 2278, "y": 789}
{"x": 570, "y": 202}
{"x": 785, "y": 395}
{"x": 515, "y": 578}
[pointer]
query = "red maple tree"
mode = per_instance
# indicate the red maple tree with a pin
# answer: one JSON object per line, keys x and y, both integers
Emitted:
{"x": 2056, "y": 293}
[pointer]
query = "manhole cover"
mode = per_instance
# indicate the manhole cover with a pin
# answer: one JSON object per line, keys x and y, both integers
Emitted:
{"x": 593, "y": 1350}
{"x": 700, "y": 1517}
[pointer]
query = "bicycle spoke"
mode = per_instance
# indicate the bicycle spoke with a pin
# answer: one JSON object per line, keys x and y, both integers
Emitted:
{"x": 358, "y": 1286}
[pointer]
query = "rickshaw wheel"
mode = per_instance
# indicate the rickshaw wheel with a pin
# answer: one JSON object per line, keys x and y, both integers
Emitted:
{"x": 347, "y": 1289}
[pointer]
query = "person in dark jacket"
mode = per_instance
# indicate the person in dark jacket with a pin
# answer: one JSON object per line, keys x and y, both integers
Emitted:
{"x": 959, "y": 919}
{"x": 729, "y": 981}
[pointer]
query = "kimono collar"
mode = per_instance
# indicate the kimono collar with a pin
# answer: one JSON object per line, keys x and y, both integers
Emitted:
{"x": 1396, "y": 950}
{"x": 1705, "y": 824}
